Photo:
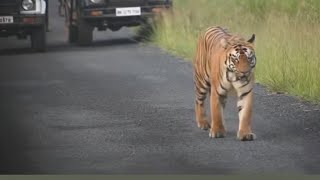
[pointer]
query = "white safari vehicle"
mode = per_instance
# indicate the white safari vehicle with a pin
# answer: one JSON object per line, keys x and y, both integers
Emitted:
{"x": 23, "y": 18}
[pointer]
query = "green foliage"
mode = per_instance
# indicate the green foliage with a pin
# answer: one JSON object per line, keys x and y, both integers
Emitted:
{"x": 287, "y": 37}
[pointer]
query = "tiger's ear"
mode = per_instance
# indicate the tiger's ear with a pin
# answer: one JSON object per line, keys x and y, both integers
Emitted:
{"x": 224, "y": 43}
{"x": 252, "y": 39}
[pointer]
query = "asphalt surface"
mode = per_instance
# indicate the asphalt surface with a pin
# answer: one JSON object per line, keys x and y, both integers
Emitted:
{"x": 123, "y": 107}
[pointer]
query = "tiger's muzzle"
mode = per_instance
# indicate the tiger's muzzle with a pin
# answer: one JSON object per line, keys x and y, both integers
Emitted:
{"x": 243, "y": 75}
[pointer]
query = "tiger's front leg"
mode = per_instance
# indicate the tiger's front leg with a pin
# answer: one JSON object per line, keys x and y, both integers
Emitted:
{"x": 217, "y": 122}
{"x": 245, "y": 116}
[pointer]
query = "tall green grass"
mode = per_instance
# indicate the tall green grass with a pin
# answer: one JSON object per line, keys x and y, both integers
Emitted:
{"x": 287, "y": 37}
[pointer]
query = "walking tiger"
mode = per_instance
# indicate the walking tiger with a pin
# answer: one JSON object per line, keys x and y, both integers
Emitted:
{"x": 224, "y": 62}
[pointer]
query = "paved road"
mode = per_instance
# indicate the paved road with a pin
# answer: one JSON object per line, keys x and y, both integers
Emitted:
{"x": 122, "y": 107}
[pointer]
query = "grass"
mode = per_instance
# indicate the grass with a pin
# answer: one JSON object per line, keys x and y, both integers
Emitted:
{"x": 287, "y": 37}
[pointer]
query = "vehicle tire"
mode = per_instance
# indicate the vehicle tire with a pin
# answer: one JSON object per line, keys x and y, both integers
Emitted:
{"x": 85, "y": 33}
{"x": 72, "y": 34}
{"x": 39, "y": 39}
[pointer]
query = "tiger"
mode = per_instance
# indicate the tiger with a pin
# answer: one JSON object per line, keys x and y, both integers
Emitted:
{"x": 224, "y": 63}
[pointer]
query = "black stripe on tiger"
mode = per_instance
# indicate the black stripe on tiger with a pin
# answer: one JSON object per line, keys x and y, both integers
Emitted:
{"x": 247, "y": 82}
{"x": 221, "y": 95}
{"x": 202, "y": 99}
{"x": 222, "y": 87}
{"x": 208, "y": 84}
{"x": 245, "y": 94}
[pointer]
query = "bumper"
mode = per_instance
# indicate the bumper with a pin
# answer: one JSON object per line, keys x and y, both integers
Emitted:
{"x": 22, "y": 23}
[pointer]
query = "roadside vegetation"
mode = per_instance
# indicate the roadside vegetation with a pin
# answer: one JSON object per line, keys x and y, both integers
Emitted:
{"x": 287, "y": 37}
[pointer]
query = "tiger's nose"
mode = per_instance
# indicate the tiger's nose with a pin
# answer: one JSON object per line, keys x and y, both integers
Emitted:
{"x": 243, "y": 74}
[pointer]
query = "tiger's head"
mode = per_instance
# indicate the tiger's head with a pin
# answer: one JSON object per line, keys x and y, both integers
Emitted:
{"x": 240, "y": 55}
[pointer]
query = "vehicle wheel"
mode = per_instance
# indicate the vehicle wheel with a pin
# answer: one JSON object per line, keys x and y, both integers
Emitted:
{"x": 72, "y": 34}
{"x": 38, "y": 39}
{"x": 85, "y": 33}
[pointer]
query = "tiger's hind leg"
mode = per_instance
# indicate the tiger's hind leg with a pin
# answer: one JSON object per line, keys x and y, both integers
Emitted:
{"x": 201, "y": 116}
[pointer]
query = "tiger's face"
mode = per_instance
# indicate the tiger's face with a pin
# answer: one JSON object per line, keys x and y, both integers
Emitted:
{"x": 241, "y": 58}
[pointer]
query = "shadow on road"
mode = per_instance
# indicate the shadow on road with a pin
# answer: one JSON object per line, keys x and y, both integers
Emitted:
{"x": 63, "y": 46}
{"x": 13, "y": 158}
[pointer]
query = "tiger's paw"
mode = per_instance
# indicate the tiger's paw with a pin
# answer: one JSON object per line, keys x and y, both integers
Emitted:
{"x": 204, "y": 125}
{"x": 221, "y": 133}
{"x": 246, "y": 136}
